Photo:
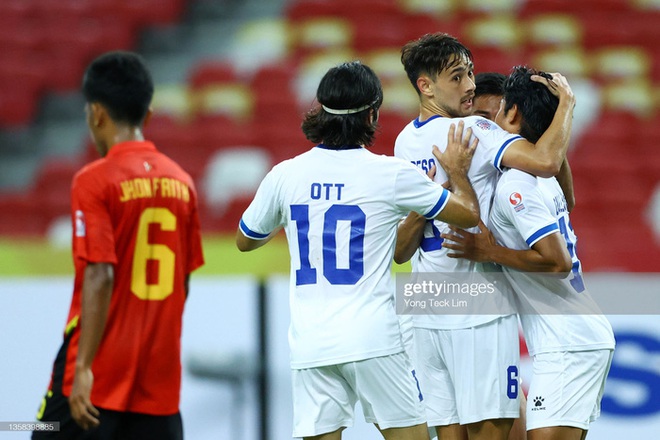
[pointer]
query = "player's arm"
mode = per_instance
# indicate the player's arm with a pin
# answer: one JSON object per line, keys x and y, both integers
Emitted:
{"x": 98, "y": 281}
{"x": 408, "y": 237}
{"x": 546, "y": 157}
{"x": 462, "y": 209}
{"x": 565, "y": 179}
{"x": 246, "y": 244}
{"x": 548, "y": 254}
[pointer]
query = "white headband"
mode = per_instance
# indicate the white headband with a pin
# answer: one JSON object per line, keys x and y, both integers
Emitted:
{"x": 348, "y": 111}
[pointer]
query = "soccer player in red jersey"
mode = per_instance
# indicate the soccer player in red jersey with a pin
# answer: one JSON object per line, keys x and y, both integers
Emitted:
{"x": 136, "y": 240}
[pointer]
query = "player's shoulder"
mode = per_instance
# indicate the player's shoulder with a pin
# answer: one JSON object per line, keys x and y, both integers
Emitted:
{"x": 513, "y": 179}
{"x": 92, "y": 171}
{"x": 479, "y": 123}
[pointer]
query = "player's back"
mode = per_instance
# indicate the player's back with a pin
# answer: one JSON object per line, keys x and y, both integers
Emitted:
{"x": 138, "y": 210}
{"x": 340, "y": 211}
{"x": 414, "y": 144}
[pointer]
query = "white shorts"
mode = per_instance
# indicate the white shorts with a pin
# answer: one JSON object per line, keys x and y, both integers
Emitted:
{"x": 469, "y": 375}
{"x": 324, "y": 398}
{"x": 566, "y": 388}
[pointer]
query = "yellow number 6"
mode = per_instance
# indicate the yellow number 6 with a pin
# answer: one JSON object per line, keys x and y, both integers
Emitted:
{"x": 145, "y": 251}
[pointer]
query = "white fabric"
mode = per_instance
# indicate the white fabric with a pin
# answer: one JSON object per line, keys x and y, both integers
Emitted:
{"x": 527, "y": 209}
{"x": 566, "y": 388}
{"x": 340, "y": 211}
{"x": 414, "y": 144}
{"x": 469, "y": 375}
{"x": 324, "y": 398}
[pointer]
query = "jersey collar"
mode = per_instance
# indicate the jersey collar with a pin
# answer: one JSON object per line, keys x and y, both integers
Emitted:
{"x": 128, "y": 146}
{"x": 344, "y": 147}
{"x": 419, "y": 124}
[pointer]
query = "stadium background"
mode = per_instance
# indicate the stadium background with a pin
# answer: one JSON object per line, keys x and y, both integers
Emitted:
{"x": 233, "y": 79}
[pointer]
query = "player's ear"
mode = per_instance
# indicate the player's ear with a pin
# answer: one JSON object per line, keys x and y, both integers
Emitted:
{"x": 373, "y": 115}
{"x": 147, "y": 117}
{"x": 99, "y": 115}
{"x": 425, "y": 85}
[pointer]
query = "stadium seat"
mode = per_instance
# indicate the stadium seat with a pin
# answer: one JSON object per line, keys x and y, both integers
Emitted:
{"x": 615, "y": 63}
{"x": 320, "y": 33}
{"x": 436, "y": 8}
{"x": 260, "y": 42}
{"x": 400, "y": 97}
{"x": 305, "y": 9}
{"x": 499, "y": 31}
{"x": 174, "y": 101}
{"x": 22, "y": 215}
{"x": 233, "y": 173}
{"x": 209, "y": 72}
{"x": 572, "y": 62}
{"x": 553, "y": 30}
{"x": 634, "y": 96}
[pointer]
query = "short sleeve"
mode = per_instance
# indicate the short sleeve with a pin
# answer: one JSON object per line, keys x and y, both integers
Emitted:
{"x": 264, "y": 213}
{"x": 93, "y": 236}
{"x": 414, "y": 191}
{"x": 493, "y": 140}
{"x": 521, "y": 203}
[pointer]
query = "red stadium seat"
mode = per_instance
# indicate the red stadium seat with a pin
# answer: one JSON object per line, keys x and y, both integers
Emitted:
{"x": 211, "y": 72}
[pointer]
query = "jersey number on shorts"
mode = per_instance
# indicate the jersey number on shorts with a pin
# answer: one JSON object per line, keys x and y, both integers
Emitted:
{"x": 576, "y": 281}
{"x": 145, "y": 251}
{"x": 512, "y": 382}
{"x": 336, "y": 213}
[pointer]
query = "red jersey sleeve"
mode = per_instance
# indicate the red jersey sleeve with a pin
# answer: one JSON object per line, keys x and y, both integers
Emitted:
{"x": 93, "y": 237}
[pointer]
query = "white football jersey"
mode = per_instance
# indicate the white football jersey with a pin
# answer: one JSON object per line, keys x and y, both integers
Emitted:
{"x": 415, "y": 144}
{"x": 340, "y": 211}
{"x": 557, "y": 314}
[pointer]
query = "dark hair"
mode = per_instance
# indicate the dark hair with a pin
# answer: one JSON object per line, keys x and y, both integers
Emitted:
{"x": 535, "y": 102}
{"x": 489, "y": 83}
{"x": 121, "y": 83}
{"x": 431, "y": 54}
{"x": 347, "y": 86}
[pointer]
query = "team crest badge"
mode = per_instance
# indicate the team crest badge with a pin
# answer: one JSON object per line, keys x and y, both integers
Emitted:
{"x": 484, "y": 124}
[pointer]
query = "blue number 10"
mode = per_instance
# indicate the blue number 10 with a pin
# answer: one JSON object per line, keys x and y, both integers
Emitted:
{"x": 352, "y": 213}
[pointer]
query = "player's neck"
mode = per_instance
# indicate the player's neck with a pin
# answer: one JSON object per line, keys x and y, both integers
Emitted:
{"x": 429, "y": 109}
{"x": 125, "y": 133}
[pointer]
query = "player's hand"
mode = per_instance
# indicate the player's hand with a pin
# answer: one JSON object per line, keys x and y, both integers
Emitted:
{"x": 474, "y": 247}
{"x": 82, "y": 410}
{"x": 459, "y": 152}
{"x": 557, "y": 84}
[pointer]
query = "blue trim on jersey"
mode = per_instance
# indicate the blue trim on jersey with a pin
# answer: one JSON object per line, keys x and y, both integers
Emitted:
{"x": 546, "y": 230}
{"x": 250, "y": 233}
{"x": 438, "y": 206}
{"x": 343, "y": 147}
{"x": 500, "y": 153}
{"x": 419, "y": 124}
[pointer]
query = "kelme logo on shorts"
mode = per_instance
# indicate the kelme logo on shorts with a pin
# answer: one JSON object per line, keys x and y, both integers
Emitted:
{"x": 538, "y": 404}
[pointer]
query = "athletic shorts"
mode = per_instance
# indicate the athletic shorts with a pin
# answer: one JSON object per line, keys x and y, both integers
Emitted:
{"x": 469, "y": 375}
{"x": 324, "y": 398}
{"x": 566, "y": 388}
{"x": 114, "y": 425}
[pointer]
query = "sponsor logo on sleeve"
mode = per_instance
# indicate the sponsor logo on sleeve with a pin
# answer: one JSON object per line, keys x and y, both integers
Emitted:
{"x": 517, "y": 201}
{"x": 80, "y": 223}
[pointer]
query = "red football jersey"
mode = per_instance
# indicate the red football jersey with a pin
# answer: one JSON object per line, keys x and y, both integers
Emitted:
{"x": 136, "y": 209}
